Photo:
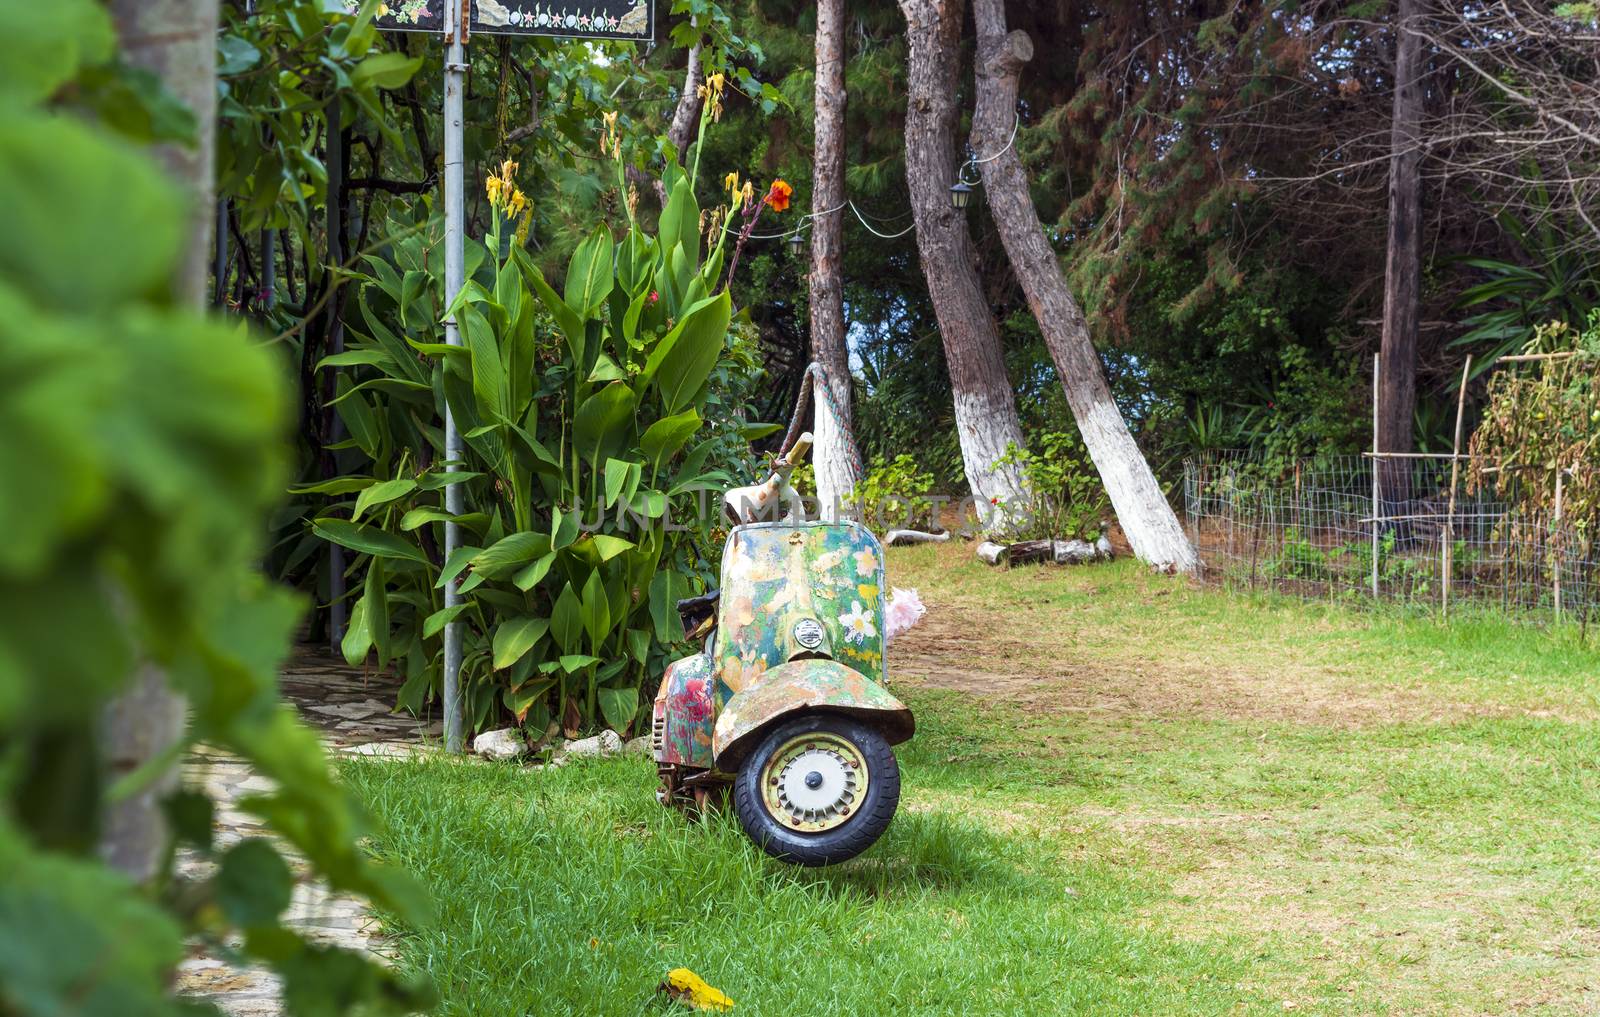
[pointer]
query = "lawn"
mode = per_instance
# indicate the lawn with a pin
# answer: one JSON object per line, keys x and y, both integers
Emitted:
{"x": 1127, "y": 795}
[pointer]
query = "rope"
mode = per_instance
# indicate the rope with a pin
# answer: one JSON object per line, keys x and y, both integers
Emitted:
{"x": 814, "y": 374}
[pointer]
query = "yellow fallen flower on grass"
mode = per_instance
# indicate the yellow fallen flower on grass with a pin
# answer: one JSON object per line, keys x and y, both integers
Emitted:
{"x": 692, "y": 991}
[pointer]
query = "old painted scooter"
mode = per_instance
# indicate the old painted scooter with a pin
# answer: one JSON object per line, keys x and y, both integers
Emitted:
{"x": 786, "y": 701}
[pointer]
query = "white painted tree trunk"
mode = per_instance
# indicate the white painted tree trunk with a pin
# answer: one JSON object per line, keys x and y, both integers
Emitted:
{"x": 834, "y": 455}
{"x": 985, "y": 406}
{"x": 176, "y": 41}
{"x": 1147, "y": 518}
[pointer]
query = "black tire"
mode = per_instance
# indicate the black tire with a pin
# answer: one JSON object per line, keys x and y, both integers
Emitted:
{"x": 870, "y": 815}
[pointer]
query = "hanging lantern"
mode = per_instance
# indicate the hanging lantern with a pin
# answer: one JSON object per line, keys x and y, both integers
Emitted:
{"x": 960, "y": 195}
{"x": 797, "y": 243}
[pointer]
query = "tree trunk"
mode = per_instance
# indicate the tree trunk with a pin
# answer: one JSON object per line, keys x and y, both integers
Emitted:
{"x": 1146, "y": 517}
{"x": 176, "y": 41}
{"x": 986, "y": 411}
{"x": 681, "y": 131}
{"x": 1397, "y": 373}
{"x": 835, "y": 455}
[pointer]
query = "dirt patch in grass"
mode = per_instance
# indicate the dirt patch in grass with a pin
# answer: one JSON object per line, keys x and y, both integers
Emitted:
{"x": 1044, "y": 667}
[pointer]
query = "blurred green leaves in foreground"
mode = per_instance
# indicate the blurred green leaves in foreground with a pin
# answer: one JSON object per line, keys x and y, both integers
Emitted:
{"x": 142, "y": 447}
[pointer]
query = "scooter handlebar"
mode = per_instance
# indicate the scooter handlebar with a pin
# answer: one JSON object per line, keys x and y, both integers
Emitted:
{"x": 798, "y": 450}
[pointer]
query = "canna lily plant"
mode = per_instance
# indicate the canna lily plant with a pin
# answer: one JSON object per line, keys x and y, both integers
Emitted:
{"x": 584, "y": 412}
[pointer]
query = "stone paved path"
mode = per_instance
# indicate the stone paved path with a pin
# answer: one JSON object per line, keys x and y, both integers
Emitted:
{"x": 351, "y": 712}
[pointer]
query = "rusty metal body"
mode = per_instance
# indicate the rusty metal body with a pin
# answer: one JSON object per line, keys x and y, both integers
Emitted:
{"x": 800, "y": 629}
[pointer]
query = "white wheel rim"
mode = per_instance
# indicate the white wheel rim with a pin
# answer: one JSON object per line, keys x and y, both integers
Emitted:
{"x": 813, "y": 783}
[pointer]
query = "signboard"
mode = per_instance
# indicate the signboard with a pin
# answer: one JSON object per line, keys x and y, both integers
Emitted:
{"x": 631, "y": 20}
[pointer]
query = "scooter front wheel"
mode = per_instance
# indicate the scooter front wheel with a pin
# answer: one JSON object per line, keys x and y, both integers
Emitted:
{"x": 818, "y": 789}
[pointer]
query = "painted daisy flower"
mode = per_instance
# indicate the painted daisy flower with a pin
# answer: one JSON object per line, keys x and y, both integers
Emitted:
{"x": 858, "y": 627}
{"x": 866, "y": 562}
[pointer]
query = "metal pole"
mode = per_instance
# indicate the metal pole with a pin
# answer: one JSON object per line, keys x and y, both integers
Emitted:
{"x": 335, "y": 201}
{"x": 1377, "y": 462}
{"x": 455, "y": 67}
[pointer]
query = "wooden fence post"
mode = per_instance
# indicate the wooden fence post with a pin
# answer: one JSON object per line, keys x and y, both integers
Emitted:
{"x": 1447, "y": 552}
{"x": 1375, "y": 463}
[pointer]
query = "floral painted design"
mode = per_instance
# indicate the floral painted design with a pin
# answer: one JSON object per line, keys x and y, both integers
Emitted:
{"x": 774, "y": 575}
{"x": 866, "y": 562}
{"x": 858, "y": 627}
{"x": 741, "y": 673}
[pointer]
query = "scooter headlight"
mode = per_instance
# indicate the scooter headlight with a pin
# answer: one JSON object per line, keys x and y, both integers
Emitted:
{"x": 808, "y": 633}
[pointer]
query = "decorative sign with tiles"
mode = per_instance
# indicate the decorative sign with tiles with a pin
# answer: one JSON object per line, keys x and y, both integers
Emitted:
{"x": 588, "y": 19}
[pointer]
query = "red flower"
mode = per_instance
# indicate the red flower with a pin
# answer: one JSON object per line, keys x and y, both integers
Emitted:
{"x": 778, "y": 196}
{"x": 654, "y": 296}
{"x": 995, "y": 500}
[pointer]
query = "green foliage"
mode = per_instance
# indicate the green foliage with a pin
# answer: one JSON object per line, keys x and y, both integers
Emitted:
{"x": 143, "y": 451}
{"x": 1542, "y": 420}
{"x": 1068, "y": 499}
{"x": 896, "y": 492}
{"x": 588, "y": 463}
{"x": 1546, "y": 279}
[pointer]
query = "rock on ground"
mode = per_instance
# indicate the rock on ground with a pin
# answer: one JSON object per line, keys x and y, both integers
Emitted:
{"x": 504, "y": 743}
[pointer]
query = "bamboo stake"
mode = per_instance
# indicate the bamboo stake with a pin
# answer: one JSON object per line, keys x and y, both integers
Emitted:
{"x": 1375, "y": 476}
{"x": 1526, "y": 358}
{"x": 1447, "y": 552}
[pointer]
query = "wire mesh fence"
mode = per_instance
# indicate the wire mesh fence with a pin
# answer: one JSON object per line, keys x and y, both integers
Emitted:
{"x": 1322, "y": 528}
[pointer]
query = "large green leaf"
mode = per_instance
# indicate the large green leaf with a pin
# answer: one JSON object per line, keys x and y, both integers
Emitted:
{"x": 357, "y": 641}
{"x": 511, "y": 553}
{"x": 680, "y": 222}
{"x": 382, "y": 494}
{"x": 603, "y": 424}
{"x": 571, "y": 322}
{"x": 514, "y": 638}
{"x": 596, "y": 610}
{"x": 488, "y": 373}
{"x": 680, "y": 365}
{"x": 253, "y": 883}
{"x": 375, "y": 596}
{"x": 618, "y": 706}
{"x": 44, "y": 45}
{"x": 367, "y": 540}
{"x": 662, "y": 439}
{"x": 589, "y": 275}
{"x": 389, "y": 69}
{"x": 71, "y": 198}
{"x": 566, "y": 620}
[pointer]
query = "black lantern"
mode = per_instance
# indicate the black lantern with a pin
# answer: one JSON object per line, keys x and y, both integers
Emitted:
{"x": 797, "y": 243}
{"x": 960, "y": 195}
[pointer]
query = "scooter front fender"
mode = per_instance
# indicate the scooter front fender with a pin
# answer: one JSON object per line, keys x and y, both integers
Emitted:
{"x": 801, "y": 685}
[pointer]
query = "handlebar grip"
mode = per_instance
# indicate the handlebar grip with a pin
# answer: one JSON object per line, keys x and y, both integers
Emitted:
{"x": 798, "y": 450}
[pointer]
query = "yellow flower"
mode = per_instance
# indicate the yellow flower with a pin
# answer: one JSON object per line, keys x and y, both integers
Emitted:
{"x": 692, "y": 991}
{"x": 715, "y": 81}
{"x": 492, "y": 187}
{"x": 749, "y": 192}
{"x": 731, "y": 182}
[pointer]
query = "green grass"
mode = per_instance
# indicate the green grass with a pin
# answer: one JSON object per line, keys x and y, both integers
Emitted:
{"x": 1126, "y": 795}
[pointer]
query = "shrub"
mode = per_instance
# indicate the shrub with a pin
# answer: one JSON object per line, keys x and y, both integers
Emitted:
{"x": 1068, "y": 500}
{"x": 590, "y": 478}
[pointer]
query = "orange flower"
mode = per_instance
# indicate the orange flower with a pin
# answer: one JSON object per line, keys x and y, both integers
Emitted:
{"x": 778, "y": 196}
